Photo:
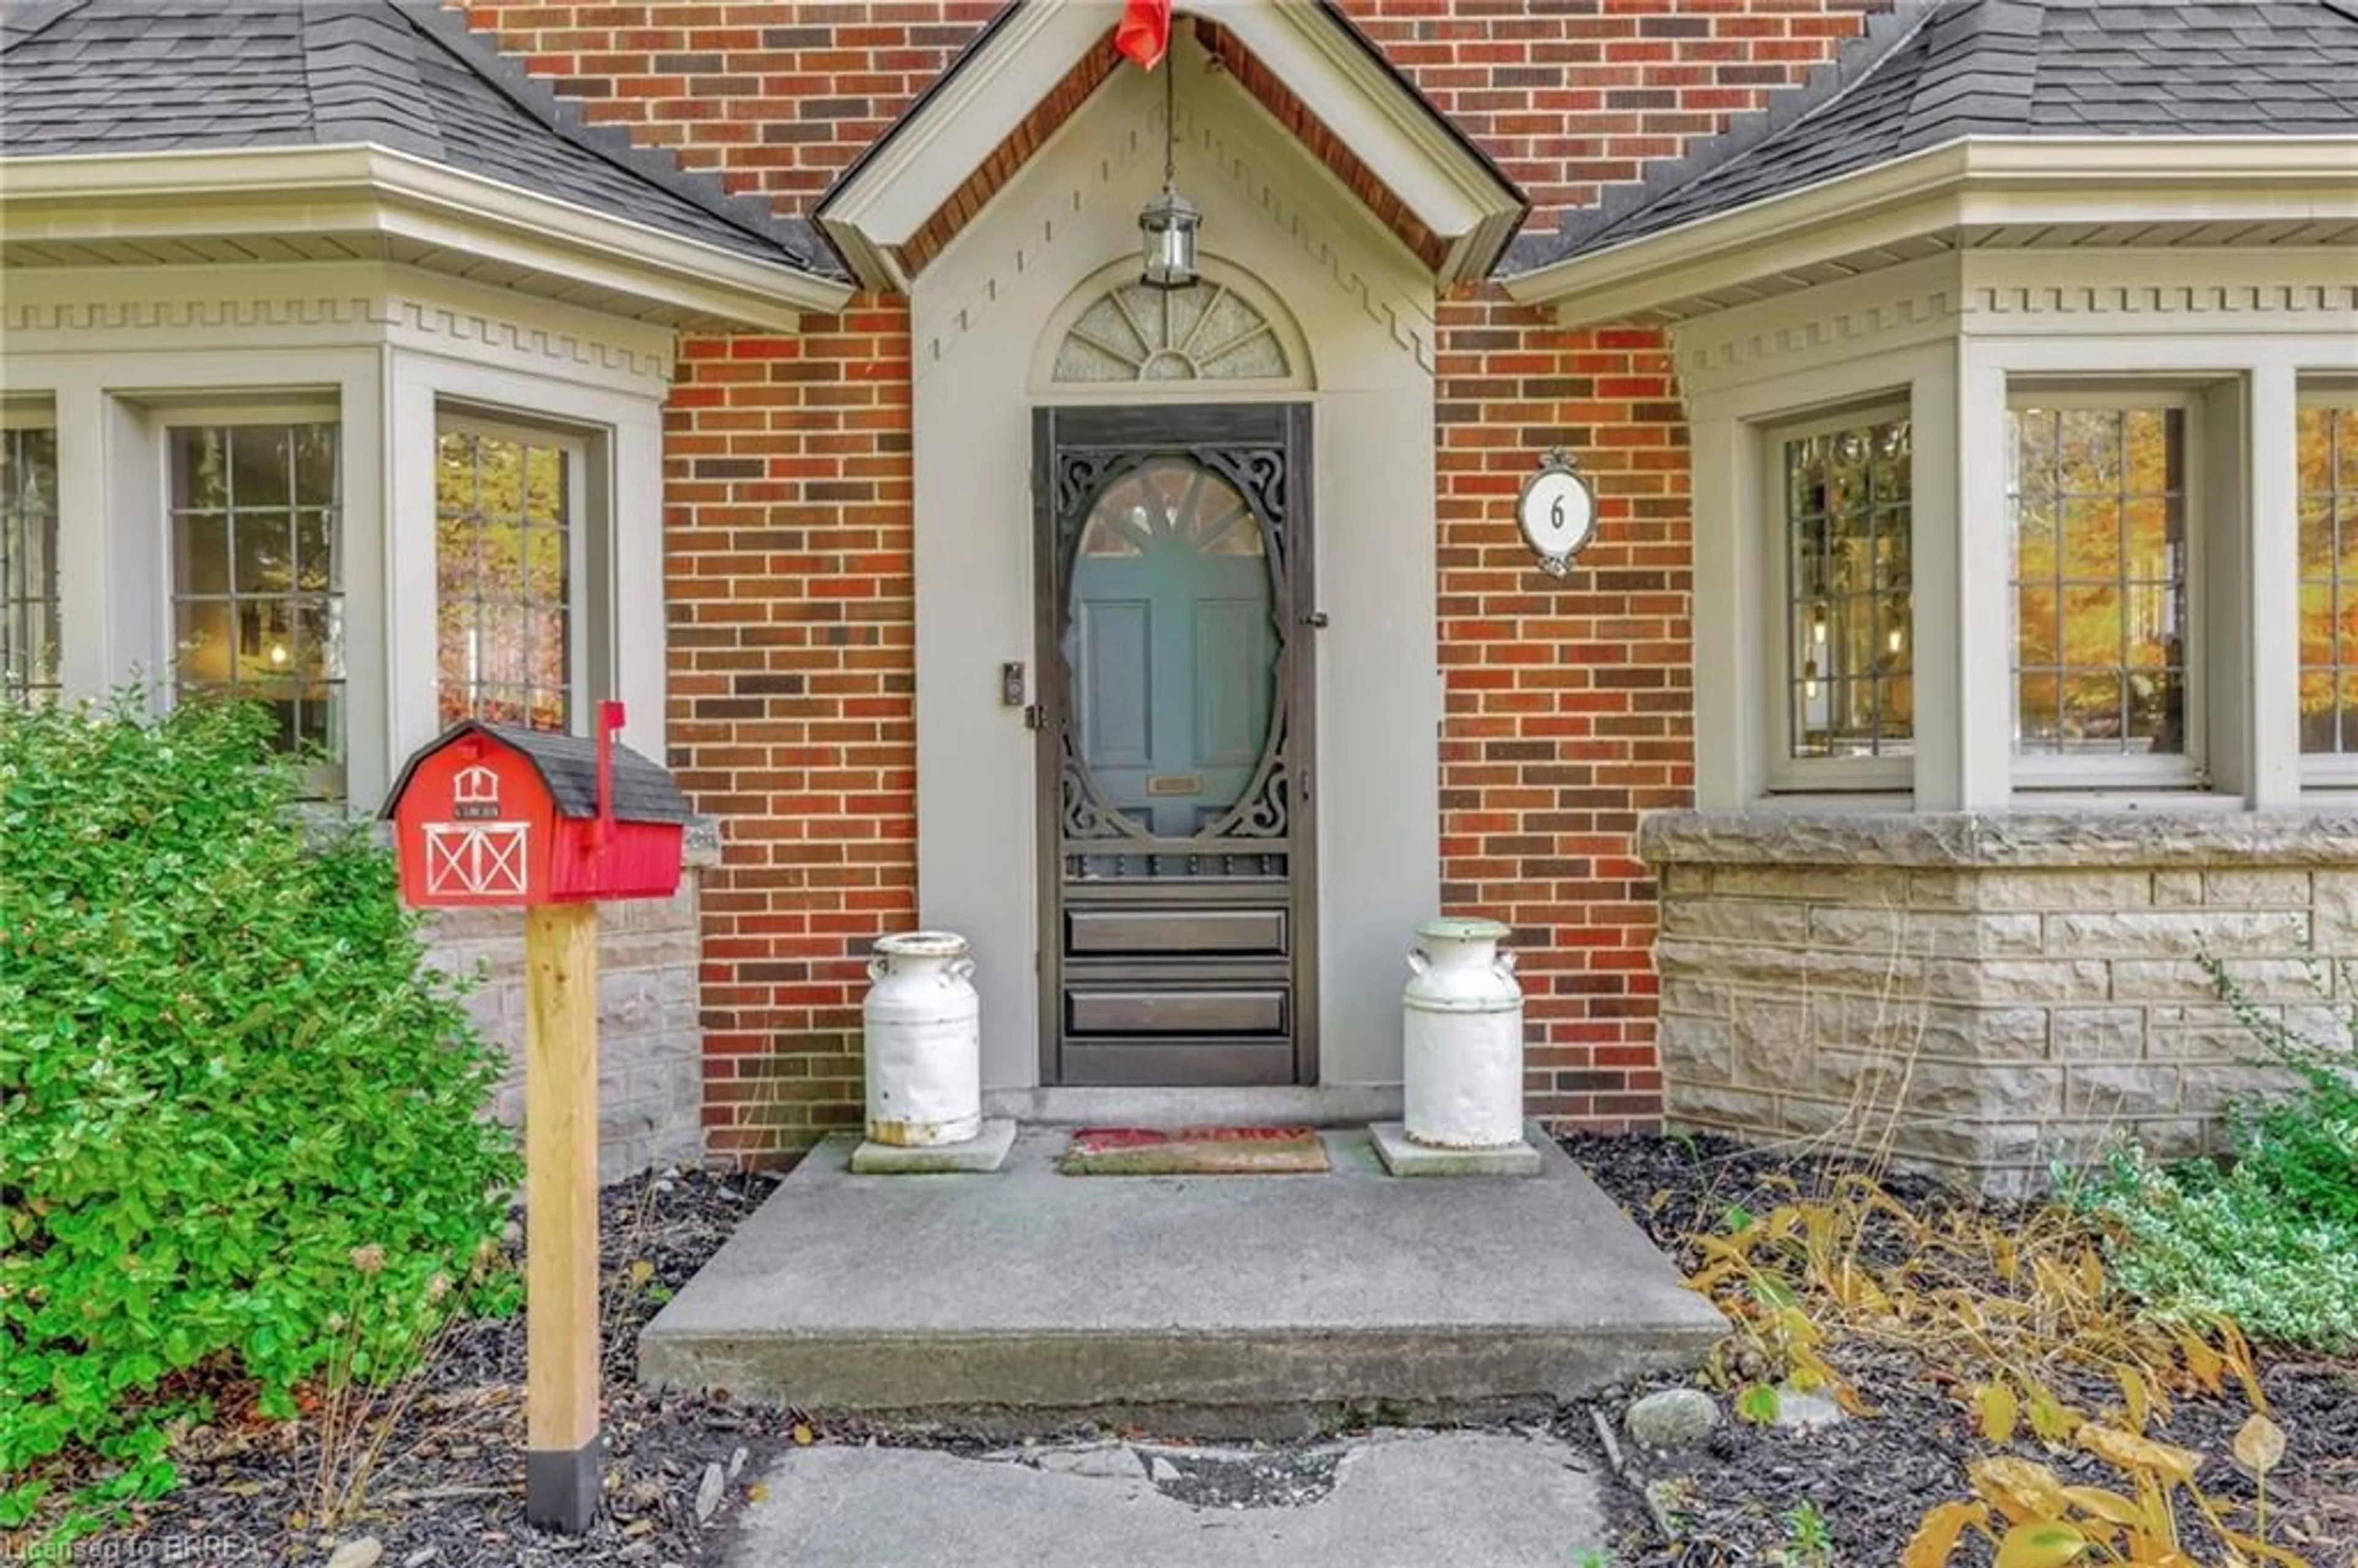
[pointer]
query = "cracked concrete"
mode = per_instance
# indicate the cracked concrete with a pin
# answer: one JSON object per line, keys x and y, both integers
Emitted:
{"x": 1387, "y": 1499}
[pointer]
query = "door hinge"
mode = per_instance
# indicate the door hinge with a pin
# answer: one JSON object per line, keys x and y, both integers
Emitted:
{"x": 1032, "y": 715}
{"x": 1306, "y": 786}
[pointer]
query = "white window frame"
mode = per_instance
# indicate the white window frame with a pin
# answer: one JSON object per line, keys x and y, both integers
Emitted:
{"x": 38, "y": 411}
{"x": 588, "y": 567}
{"x": 1785, "y": 773}
{"x": 2191, "y": 769}
{"x": 2318, "y": 770}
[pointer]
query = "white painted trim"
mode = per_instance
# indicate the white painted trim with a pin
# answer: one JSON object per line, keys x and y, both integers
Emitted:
{"x": 923, "y": 160}
{"x": 1302, "y": 371}
{"x": 931, "y": 154}
{"x": 384, "y": 343}
{"x": 980, "y": 314}
{"x": 1967, "y": 184}
{"x": 1739, "y": 608}
{"x": 1386, "y": 126}
{"x": 372, "y": 191}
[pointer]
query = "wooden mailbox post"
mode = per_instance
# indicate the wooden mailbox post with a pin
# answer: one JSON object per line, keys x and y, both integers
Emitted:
{"x": 489, "y": 816}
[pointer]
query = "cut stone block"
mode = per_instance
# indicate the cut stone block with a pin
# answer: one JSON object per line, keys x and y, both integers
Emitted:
{"x": 1403, "y": 1157}
{"x": 984, "y": 1153}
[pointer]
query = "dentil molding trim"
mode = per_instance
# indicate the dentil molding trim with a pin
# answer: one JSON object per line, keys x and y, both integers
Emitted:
{"x": 96, "y": 326}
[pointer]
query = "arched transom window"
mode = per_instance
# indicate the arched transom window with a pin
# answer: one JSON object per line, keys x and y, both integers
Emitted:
{"x": 1205, "y": 332}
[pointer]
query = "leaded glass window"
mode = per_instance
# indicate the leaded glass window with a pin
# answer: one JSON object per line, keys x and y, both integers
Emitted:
{"x": 2327, "y": 450}
{"x": 28, "y": 561}
{"x": 258, "y": 591}
{"x": 504, "y": 549}
{"x": 2100, "y": 579}
{"x": 1203, "y": 332}
{"x": 1849, "y": 681}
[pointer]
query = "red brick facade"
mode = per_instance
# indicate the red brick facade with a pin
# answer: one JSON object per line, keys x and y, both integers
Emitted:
{"x": 1569, "y": 711}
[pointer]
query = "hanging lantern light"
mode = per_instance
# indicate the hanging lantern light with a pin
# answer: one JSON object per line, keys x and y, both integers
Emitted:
{"x": 1167, "y": 225}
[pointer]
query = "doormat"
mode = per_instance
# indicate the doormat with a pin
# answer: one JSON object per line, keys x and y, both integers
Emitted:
{"x": 1194, "y": 1151}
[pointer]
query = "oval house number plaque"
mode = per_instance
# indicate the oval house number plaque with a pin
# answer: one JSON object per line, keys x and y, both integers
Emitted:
{"x": 1557, "y": 511}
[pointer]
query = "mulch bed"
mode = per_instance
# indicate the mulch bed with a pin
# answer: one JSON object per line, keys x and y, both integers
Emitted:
{"x": 446, "y": 1491}
{"x": 1873, "y": 1479}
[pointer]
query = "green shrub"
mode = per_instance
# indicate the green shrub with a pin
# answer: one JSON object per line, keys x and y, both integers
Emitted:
{"x": 2269, "y": 1237}
{"x": 242, "y": 1125}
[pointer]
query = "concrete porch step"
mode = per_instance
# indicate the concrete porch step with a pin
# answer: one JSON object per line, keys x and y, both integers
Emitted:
{"x": 1219, "y": 1305}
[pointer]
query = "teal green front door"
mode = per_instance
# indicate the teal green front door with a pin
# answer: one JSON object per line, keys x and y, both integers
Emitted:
{"x": 1174, "y": 746}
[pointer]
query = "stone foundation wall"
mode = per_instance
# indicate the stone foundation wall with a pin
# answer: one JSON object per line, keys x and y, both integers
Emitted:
{"x": 1980, "y": 994}
{"x": 650, "y": 1047}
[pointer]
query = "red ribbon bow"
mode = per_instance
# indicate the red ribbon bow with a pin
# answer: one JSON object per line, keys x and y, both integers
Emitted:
{"x": 1145, "y": 32}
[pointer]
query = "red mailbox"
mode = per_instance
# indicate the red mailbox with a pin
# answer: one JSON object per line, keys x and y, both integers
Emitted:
{"x": 491, "y": 815}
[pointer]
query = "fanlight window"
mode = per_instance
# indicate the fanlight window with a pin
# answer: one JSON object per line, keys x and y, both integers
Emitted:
{"x": 1203, "y": 332}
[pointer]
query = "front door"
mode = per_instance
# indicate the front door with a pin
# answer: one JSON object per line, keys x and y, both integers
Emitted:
{"x": 1174, "y": 746}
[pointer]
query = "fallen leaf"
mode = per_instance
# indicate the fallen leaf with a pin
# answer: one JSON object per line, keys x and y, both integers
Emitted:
{"x": 802, "y": 1434}
{"x": 1936, "y": 1537}
{"x": 2259, "y": 1445}
{"x": 1998, "y": 1410}
{"x": 2134, "y": 1453}
{"x": 2050, "y": 1544}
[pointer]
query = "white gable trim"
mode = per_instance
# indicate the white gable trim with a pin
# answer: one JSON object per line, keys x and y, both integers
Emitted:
{"x": 367, "y": 190}
{"x": 932, "y": 151}
{"x": 1982, "y": 182}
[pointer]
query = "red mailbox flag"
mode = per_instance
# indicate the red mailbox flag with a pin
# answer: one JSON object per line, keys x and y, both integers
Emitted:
{"x": 1144, "y": 31}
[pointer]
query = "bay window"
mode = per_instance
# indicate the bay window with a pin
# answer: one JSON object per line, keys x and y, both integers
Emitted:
{"x": 256, "y": 588}
{"x": 2105, "y": 656}
{"x": 2326, "y": 448}
{"x": 508, "y": 644}
{"x": 1843, "y": 493}
{"x": 28, "y": 556}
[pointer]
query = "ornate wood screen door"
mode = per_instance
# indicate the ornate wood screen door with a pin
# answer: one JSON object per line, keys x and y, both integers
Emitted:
{"x": 1177, "y": 882}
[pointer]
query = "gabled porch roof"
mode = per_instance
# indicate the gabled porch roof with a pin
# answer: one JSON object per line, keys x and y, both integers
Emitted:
{"x": 896, "y": 208}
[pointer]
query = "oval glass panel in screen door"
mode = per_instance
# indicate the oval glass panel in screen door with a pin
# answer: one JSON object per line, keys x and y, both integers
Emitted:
{"x": 1171, "y": 644}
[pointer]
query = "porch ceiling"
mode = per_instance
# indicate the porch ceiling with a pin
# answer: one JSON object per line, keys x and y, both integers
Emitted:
{"x": 895, "y": 210}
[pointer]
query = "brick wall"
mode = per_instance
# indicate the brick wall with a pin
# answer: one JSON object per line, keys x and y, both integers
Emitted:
{"x": 788, "y": 463}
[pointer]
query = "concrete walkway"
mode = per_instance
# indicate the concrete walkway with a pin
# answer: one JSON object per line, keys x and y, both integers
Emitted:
{"x": 1180, "y": 1304}
{"x": 1386, "y": 1500}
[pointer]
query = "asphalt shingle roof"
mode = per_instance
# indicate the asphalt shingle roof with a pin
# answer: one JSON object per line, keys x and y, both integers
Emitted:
{"x": 1931, "y": 72}
{"x": 122, "y": 76}
{"x": 567, "y": 764}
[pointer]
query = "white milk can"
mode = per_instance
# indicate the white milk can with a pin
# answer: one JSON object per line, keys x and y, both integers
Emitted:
{"x": 925, "y": 1040}
{"x": 1464, "y": 1030}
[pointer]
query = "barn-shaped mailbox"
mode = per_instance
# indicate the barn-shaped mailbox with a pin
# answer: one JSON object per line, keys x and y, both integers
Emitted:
{"x": 490, "y": 814}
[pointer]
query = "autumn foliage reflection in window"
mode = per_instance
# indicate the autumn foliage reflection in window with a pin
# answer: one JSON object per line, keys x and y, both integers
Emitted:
{"x": 2098, "y": 497}
{"x": 2328, "y": 455}
{"x": 504, "y": 524}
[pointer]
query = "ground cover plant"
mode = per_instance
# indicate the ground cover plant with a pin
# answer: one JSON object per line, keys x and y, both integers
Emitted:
{"x": 2268, "y": 1236}
{"x": 244, "y": 1154}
